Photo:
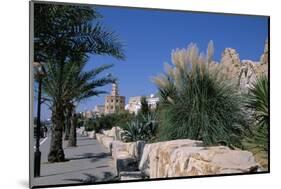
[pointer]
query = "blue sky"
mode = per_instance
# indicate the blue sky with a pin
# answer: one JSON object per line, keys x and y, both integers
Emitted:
{"x": 150, "y": 35}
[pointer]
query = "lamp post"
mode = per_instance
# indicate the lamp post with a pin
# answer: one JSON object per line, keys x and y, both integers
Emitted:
{"x": 40, "y": 73}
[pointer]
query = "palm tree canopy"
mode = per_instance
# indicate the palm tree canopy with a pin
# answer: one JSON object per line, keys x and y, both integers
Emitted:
{"x": 77, "y": 84}
{"x": 61, "y": 29}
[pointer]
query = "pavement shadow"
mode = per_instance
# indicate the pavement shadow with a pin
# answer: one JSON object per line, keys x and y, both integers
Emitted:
{"x": 84, "y": 138}
{"x": 67, "y": 172}
{"x": 90, "y": 144}
{"x": 107, "y": 177}
{"x": 92, "y": 156}
{"x": 102, "y": 166}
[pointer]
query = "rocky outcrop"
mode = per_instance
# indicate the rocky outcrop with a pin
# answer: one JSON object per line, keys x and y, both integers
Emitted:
{"x": 242, "y": 73}
{"x": 230, "y": 57}
{"x": 230, "y": 63}
{"x": 264, "y": 56}
{"x": 247, "y": 75}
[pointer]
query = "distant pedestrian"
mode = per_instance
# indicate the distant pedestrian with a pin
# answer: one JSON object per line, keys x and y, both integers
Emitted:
{"x": 45, "y": 131}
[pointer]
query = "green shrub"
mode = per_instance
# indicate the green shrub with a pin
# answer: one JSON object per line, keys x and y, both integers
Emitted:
{"x": 257, "y": 102}
{"x": 141, "y": 128}
{"x": 196, "y": 103}
{"x": 108, "y": 121}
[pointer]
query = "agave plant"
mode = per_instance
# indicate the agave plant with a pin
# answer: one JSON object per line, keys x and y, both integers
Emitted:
{"x": 151, "y": 125}
{"x": 196, "y": 102}
{"x": 134, "y": 131}
{"x": 257, "y": 102}
{"x": 143, "y": 128}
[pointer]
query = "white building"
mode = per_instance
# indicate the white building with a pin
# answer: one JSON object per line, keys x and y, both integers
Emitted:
{"x": 99, "y": 110}
{"x": 134, "y": 104}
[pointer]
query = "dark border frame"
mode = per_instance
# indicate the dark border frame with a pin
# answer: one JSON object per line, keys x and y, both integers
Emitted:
{"x": 31, "y": 17}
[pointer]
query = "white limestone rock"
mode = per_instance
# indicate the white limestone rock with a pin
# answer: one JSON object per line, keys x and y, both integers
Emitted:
{"x": 131, "y": 175}
{"x": 150, "y": 154}
{"x": 194, "y": 161}
{"x": 92, "y": 134}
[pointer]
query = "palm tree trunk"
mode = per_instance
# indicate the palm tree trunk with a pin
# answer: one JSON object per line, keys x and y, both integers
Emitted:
{"x": 68, "y": 123}
{"x": 72, "y": 142}
{"x": 56, "y": 153}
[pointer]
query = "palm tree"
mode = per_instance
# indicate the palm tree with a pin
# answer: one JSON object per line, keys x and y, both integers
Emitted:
{"x": 82, "y": 85}
{"x": 77, "y": 86}
{"x": 60, "y": 31}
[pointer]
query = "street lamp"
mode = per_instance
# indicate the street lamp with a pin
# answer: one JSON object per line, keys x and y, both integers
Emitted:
{"x": 39, "y": 73}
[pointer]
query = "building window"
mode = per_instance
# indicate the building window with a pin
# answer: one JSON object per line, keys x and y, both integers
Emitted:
{"x": 117, "y": 101}
{"x": 111, "y": 107}
{"x": 111, "y": 100}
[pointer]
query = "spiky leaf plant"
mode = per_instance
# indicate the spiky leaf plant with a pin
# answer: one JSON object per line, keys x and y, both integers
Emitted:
{"x": 142, "y": 128}
{"x": 196, "y": 103}
{"x": 257, "y": 102}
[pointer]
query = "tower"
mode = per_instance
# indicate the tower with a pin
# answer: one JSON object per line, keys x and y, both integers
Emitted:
{"x": 114, "y": 90}
{"x": 114, "y": 102}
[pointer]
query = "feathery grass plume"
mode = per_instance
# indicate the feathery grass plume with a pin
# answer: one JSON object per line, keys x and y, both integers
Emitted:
{"x": 210, "y": 51}
{"x": 196, "y": 102}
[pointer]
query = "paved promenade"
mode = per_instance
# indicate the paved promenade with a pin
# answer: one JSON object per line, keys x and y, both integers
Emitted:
{"x": 88, "y": 162}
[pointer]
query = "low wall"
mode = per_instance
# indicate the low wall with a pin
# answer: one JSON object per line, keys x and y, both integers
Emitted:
{"x": 184, "y": 157}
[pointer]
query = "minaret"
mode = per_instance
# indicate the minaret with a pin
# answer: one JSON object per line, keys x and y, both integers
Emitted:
{"x": 114, "y": 90}
{"x": 114, "y": 102}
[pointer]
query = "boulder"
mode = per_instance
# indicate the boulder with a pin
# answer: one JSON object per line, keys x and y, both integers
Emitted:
{"x": 117, "y": 147}
{"x": 118, "y": 133}
{"x": 125, "y": 162}
{"x": 84, "y": 133}
{"x": 107, "y": 142}
{"x": 151, "y": 152}
{"x": 80, "y": 131}
{"x": 123, "y": 157}
{"x": 194, "y": 161}
{"x": 139, "y": 149}
{"x": 99, "y": 137}
{"x": 131, "y": 148}
{"x": 114, "y": 132}
{"x": 107, "y": 132}
{"x": 131, "y": 175}
{"x": 92, "y": 134}
{"x": 144, "y": 164}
